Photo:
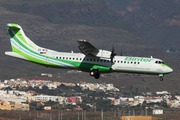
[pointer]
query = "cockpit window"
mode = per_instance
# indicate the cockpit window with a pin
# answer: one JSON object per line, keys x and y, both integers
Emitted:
{"x": 159, "y": 62}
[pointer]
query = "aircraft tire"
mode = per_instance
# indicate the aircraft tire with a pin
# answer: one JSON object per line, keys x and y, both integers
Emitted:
{"x": 161, "y": 78}
{"x": 97, "y": 76}
{"x": 95, "y": 73}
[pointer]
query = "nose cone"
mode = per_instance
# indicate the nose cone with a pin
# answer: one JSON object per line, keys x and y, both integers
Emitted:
{"x": 169, "y": 69}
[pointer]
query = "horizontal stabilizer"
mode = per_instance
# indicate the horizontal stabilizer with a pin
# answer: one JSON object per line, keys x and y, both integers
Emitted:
{"x": 13, "y": 54}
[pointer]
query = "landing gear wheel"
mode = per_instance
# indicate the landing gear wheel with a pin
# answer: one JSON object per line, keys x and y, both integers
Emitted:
{"x": 161, "y": 78}
{"x": 95, "y": 73}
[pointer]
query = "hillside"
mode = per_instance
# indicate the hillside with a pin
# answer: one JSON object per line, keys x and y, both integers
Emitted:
{"x": 59, "y": 24}
{"x": 150, "y": 20}
{"x": 89, "y": 13}
{"x": 157, "y": 22}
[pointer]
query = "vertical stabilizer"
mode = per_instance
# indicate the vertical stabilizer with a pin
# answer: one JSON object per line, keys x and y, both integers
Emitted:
{"x": 18, "y": 38}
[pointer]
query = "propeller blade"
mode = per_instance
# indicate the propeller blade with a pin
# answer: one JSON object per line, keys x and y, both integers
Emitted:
{"x": 112, "y": 54}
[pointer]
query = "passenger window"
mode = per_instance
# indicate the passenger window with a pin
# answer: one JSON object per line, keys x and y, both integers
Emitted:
{"x": 124, "y": 61}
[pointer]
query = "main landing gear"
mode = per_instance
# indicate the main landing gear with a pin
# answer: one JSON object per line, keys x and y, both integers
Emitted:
{"x": 95, "y": 73}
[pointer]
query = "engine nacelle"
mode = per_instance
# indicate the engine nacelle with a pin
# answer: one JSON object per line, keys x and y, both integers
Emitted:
{"x": 103, "y": 54}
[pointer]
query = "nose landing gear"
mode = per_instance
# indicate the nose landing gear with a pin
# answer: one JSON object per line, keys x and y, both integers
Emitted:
{"x": 161, "y": 77}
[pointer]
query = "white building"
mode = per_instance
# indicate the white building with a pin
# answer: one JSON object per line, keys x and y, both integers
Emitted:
{"x": 157, "y": 111}
{"x": 45, "y": 98}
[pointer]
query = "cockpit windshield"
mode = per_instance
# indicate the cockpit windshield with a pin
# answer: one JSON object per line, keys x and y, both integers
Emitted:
{"x": 159, "y": 62}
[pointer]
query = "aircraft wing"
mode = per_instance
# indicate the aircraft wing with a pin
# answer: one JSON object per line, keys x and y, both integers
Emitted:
{"x": 86, "y": 48}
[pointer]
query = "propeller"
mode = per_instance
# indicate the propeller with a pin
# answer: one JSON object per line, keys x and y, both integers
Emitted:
{"x": 112, "y": 54}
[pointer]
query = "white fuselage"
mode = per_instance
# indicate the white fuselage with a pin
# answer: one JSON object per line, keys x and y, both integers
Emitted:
{"x": 125, "y": 64}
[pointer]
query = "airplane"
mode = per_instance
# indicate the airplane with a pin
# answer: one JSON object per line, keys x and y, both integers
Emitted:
{"x": 92, "y": 60}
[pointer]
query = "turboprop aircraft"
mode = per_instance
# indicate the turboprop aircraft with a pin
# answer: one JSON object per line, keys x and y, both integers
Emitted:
{"x": 92, "y": 60}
